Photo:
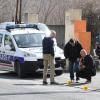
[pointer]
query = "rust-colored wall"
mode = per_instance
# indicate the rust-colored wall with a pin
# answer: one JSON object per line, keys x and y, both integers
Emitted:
{"x": 81, "y": 34}
{"x": 85, "y": 39}
{"x": 80, "y": 26}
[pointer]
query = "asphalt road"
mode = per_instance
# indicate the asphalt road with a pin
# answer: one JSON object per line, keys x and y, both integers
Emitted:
{"x": 31, "y": 88}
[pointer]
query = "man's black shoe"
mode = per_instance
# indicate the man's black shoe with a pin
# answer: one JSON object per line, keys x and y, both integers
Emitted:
{"x": 45, "y": 83}
{"x": 77, "y": 79}
{"x": 54, "y": 83}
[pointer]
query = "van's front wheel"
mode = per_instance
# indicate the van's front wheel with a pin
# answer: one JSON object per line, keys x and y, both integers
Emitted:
{"x": 19, "y": 69}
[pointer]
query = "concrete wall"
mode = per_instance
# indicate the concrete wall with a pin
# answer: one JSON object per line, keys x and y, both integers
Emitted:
{"x": 60, "y": 29}
{"x": 70, "y": 17}
{"x": 30, "y": 18}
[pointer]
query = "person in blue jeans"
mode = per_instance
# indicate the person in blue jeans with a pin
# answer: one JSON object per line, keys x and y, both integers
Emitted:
{"x": 72, "y": 53}
{"x": 74, "y": 67}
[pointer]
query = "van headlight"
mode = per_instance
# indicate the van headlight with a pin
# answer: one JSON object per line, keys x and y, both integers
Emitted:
{"x": 29, "y": 55}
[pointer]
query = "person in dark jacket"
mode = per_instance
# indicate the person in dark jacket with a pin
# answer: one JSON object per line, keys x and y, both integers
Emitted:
{"x": 87, "y": 68}
{"x": 97, "y": 50}
{"x": 48, "y": 46}
{"x": 72, "y": 52}
{"x": 48, "y": 58}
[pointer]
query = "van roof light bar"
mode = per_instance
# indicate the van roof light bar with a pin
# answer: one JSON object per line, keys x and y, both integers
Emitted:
{"x": 9, "y": 27}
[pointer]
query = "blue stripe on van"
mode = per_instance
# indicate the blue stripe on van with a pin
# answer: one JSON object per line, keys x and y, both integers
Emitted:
{"x": 9, "y": 58}
{"x": 21, "y": 59}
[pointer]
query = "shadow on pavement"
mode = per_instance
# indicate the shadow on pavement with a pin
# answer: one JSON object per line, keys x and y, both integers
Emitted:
{"x": 77, "y": 84}
{"x": 12, "y": 75}
{"x": 44, "y": 92}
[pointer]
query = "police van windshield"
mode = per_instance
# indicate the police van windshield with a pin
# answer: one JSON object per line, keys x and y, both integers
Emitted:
{"x": 29, "y": 40}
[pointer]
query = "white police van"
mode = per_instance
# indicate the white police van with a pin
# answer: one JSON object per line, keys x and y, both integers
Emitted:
{"x": 21, "y": 49}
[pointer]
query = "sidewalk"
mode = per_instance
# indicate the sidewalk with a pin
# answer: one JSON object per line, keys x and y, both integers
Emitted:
{"x": 94, "y": 85}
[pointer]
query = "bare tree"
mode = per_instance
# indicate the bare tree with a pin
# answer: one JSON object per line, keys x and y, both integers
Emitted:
{"x": 1, "y": 1}
{"x": 47, "y": 9}
{"x": 6, "y": 10}
{"x": 50, "y": 11}
{"x": 91, "y": 15}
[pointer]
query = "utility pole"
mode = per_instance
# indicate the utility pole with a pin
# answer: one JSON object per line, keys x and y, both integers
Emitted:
{"x": 20, "y": 8}
{"x": 16, "y": 15}
{"x": 18, "y": 12}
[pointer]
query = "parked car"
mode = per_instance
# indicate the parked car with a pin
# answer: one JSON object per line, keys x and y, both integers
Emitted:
{"x": 21, "y": 49}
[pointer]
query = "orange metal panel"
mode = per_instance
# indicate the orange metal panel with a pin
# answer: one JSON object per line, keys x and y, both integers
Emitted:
{"x": 85, "y": 39}
{"x": 80, "y": 26}
{"x": 81, "y": 34}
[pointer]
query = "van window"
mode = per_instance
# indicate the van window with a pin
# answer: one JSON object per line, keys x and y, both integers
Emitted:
{"x": 43, "y": 27}
{"x": 1, "y": 36}
{"x": 8, "y": 41}
{"x": 29, "y": 40}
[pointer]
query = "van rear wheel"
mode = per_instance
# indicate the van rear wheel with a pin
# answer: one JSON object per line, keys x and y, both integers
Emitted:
{"x": 19, "y": 69}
